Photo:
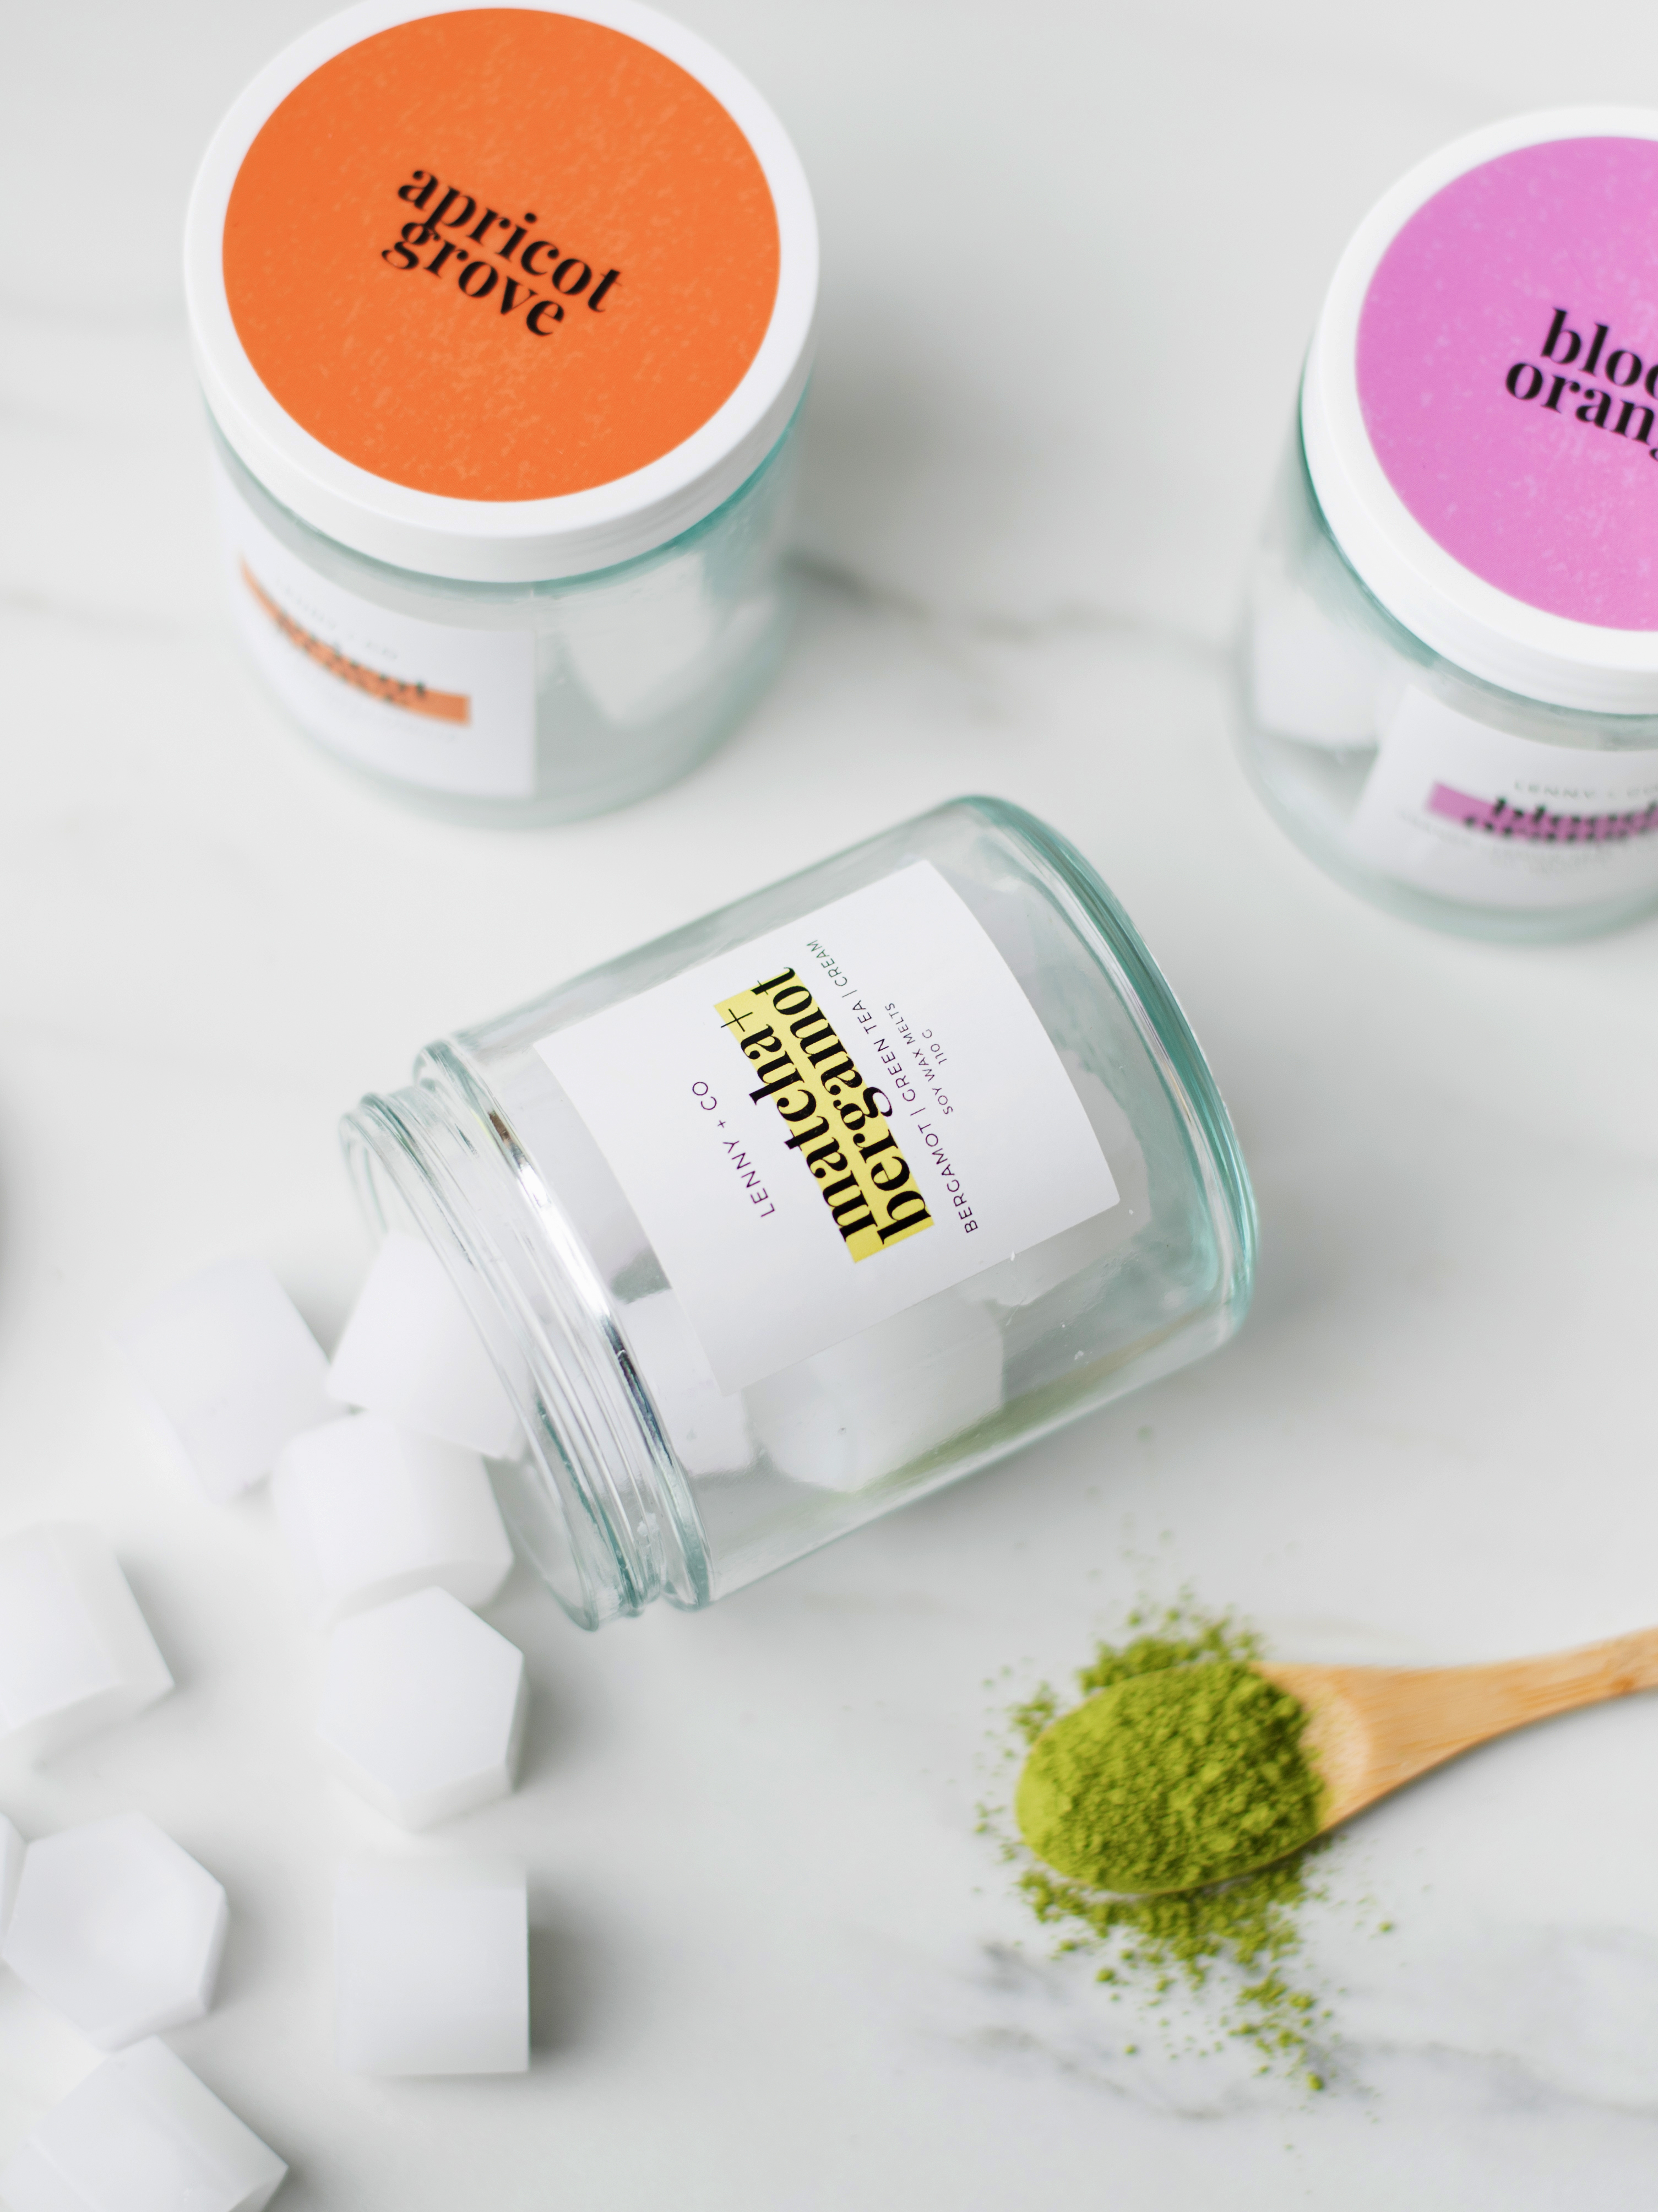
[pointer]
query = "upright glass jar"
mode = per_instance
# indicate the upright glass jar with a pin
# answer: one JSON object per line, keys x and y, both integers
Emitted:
{"x": 503, "y": 316}
{"x": 1449, "y": 680}
{"x": 820, "y": 1203}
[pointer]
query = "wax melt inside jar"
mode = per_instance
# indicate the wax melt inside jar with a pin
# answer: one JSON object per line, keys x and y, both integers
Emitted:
{"x": 503, "y": 447}
{"x": 1448, "y": 679}
{"x": 825, "y": 1201}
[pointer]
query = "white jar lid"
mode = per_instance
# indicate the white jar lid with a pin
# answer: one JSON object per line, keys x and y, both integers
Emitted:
{"x": 1480, "y": 405}
{"x": 501, "y": 293}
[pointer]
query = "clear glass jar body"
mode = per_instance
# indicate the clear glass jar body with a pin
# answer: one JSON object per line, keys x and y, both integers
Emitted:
{"x": 1322, "y": 672}
{"x": 639, "y": 671}
{"x": 618, "y": 1496}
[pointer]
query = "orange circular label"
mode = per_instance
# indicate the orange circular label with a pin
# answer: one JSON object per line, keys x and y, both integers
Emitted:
{"x": 501, "y": 254}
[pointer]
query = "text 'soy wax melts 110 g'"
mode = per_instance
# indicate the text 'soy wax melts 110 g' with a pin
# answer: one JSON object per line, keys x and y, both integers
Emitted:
{"x": 1450, "y": 669}
{"x": 819, "y": 1203}
{"x": 503, "y": 316}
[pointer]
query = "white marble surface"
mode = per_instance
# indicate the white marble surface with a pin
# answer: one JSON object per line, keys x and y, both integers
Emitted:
{"x": 1071, "y": 257}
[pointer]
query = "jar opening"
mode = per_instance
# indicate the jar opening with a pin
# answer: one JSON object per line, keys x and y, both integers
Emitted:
{"x": 593, "y": 1496}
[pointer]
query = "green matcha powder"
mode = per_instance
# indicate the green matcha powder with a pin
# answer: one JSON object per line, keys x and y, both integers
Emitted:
{"x": 1149, "y": 1803}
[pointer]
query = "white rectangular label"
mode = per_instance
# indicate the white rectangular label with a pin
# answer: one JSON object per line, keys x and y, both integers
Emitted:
{"x": 1476, "y": 813}
{"x": 827, "y": 1125}
{"x": 451, "y": 708}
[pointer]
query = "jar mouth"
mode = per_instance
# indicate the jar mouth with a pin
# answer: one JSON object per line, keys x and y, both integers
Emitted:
{"x": 594, "y": 1496}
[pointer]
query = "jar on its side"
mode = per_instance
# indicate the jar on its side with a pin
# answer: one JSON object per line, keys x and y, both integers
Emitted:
{"x": 1448, "y": 683}
{"x": 503, "y": 441}
{"x": 820, "y": 1203}
{"x": 624, "y": 679}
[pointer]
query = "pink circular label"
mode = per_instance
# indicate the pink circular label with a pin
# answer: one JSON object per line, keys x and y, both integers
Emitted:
{"x": 1508, "y": 373}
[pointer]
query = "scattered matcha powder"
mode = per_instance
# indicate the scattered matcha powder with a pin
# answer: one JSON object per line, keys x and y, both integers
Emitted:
{"x": 1181, "y": 1766}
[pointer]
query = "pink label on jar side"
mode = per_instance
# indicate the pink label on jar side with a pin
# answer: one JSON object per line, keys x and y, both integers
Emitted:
{"x": 1508, "y": 373}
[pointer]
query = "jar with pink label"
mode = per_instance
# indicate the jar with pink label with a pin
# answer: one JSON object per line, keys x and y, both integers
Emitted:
{"x": 1448, "y": 678}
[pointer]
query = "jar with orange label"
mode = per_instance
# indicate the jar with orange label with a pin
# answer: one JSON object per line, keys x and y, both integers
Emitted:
{"x": 503, "y": 316}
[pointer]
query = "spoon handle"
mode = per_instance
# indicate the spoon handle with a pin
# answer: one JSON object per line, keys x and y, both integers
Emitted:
{"x": 1382, "y": 1726}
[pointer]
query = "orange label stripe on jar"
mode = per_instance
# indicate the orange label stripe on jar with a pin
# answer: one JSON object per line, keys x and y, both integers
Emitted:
{"x": 394, "y": 691}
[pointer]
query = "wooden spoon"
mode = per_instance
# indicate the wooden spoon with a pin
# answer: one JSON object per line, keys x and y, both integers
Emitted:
{"x": 1370, "y": 1729}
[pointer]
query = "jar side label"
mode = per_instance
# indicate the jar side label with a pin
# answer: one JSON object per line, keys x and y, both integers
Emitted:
{"x": 431, "y": 704}
{"x": 1473, "y": 812}
{"x": 832, "y": 1123}
{"x": 1507, "y": 368}
{"x": 501, "y": 253}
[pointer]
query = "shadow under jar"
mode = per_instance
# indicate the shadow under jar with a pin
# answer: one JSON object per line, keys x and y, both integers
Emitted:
{"x": 820, "y": 1203}
{"x": 503, "y": 447}
{"x": 1449, "y": 676}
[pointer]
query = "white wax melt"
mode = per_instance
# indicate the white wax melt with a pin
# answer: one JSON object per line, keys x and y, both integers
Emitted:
{"x": 708, "y": 1430}
{"x": 371, "y": 1512}
{"x": 76, "y": 1655}
{"x": 422, "y": 1709}
{"x": 410, "y": 1351}
{"x": 118, "y": 1928}
{"x": 142, "y": 2134}
{"x": 431, "y": 1968}
{"x": 865, "y": 1408}
{"x": 229, "y": 1372}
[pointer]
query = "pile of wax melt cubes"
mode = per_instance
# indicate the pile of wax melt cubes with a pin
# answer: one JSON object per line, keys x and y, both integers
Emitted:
{"x": 383, "y": 1499}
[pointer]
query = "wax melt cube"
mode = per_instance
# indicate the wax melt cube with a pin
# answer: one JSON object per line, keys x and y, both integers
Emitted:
{"x": 708, "y": 1430}
{"x": 117, "y": 1928}
{"x": 76, "y": 1655}
{"x": 865, "y": 1408}
{"x": 431, "y": 1968}
{"x": 11, "y": 1871}
{"x": 228, "y": 1371}
{"x": 410, "y": 1351}
{"x": 371, "y": 1512}
{"x": 423, "y": 1708}
{"x": 142, "y": 2134}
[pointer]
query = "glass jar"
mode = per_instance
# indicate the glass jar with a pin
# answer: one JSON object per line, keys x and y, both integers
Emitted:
{"x": 507, "y": 542}
{"x": 819, "y": 1203}
{"x": 1448, "y": 687}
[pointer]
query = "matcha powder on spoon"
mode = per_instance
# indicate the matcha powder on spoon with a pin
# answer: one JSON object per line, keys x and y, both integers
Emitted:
{"x": 1170, "y": 1778}
{"x": 1151, "y": 1801}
